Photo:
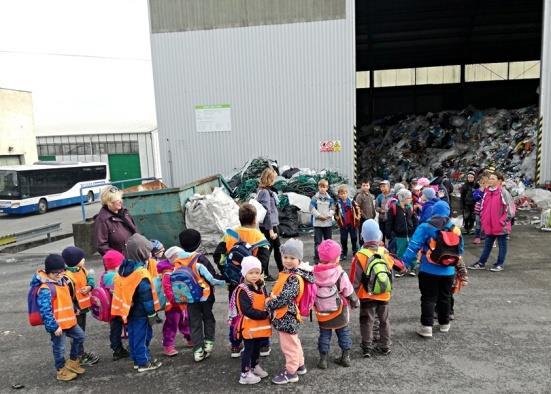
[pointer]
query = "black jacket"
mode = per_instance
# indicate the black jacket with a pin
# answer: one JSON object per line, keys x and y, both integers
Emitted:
{"x": 400, "y": 223}
{"x": 467, "y": 193}
{"x": 246, "y": 304}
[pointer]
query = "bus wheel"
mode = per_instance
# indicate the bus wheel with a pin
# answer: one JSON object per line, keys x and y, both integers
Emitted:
{"x": 90, "y": 198}
{"x": 42, "y": 206}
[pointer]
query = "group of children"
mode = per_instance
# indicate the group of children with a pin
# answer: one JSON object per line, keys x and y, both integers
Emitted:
{"x": 181, "y": 281}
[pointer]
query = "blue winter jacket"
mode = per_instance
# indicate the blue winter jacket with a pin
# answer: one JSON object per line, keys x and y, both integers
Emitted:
{"x": 421, "y": 238}
{"x": 44, "y": 301}
{"x": 426, "y": 210}
{"x": 142, "y": 301}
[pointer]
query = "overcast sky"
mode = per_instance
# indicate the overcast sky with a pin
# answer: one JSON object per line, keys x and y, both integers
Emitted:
{"x": 87, "y": 63}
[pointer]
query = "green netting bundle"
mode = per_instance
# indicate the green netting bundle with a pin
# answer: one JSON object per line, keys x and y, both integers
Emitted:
{"x": 280, "y": 185}
{"x": 283, "y": 201}
{"x": 303, "y": 184}
{"x": 245, "y": 189}
{"x": 254, "y": 170}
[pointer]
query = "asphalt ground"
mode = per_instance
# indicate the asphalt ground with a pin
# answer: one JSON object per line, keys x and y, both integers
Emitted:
{"x": 499, "y": 342}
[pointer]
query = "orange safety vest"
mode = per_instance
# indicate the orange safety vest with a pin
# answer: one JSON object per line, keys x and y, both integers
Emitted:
{"x": 62, "y": 305}
{"x": 185, "y": 262}
{"x": 80, "y": 280}
{"x": 362, "y": 292}
{"x": 152, "y": 267}
{"x": 246, "y": 234}
{"x": 124, "y": 289}
{"x": 251, "y": 328}
{"x": 278, "y": 288}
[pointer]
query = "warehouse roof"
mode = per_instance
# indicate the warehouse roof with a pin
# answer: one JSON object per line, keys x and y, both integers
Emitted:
{"x": 418, "y": 33}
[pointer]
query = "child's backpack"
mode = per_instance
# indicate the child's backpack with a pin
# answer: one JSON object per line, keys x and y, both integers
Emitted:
{"x": 100, "y": 298}
{"x": 232, "y": 265}
{"x": 377, "y": 278}
{"x": 185, "y": 287}
{"x": 444, "y": 248}
{"x": 328, "y": 298}
{"x": 236, "y": 318}
{"x": 158, "y": 286}
{"x": 34, "y": 312}
{"x": 308, "y": 299}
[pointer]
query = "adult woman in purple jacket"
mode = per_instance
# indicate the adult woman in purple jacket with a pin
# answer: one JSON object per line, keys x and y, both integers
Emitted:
{"x": 113, "y": 224}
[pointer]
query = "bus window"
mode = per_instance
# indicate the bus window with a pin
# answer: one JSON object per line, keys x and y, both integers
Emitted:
{"x": 9, "y": 187}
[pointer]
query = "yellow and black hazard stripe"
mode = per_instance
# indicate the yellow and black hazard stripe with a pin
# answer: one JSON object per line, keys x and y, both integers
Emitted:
{"x": 539, "y": 140}
{"x": 356, "y": 158}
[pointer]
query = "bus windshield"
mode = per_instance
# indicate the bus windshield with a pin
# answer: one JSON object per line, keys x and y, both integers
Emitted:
{"x": 9, "y": 186}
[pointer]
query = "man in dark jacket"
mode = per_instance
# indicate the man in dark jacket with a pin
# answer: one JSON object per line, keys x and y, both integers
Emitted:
{"x": 445, "y": 187}
{"x": 467, "y": 202}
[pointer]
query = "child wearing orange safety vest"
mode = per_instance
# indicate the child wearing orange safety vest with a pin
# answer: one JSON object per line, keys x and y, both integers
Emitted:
{"x": 136, "y": 302}
{"x": 253, "y": 324}
{"x": 81, "y": 282}
{"x": 335, "y": 293}
{"x": 283, "y": 303}
{"x": 371, "y": 305}
{"x": 57, "y": 313}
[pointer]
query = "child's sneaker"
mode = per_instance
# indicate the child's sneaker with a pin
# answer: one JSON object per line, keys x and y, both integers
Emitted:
{"x": 259, "y": 371}
{"x": 170, "y": 351}
{"x": 302, "y": 370}
{"x": 89, "y": 359}
{"x": 200, "y": 355}
{"x": 208, "y": 346}
{"x": 476, "y": 266}
{"x": 285, "y": 377}
{"x": 476, "y": 241}
{"x": 366, "y": 351}
{"x": 74, "y": 366}
{"x": 121, "y": 353}
{"x": 249, "y": 378}
{"x": 65, "y": 375}
{"x": 265, "y": 351}
{"x": 496, "y": 268}
{"x": 236, "y": 351}
{"x": 150, "y": 366}
{"x": 425, "y": 331}
{"x": 385, "y": 351}
{"x": 445, "y": 327}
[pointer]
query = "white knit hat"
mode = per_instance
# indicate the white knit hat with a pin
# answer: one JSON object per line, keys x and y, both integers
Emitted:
{"x": 173, "y": 252}
{"x": 248, "y": 263}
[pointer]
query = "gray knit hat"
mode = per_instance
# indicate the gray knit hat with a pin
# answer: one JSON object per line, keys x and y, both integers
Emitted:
{"x": 293, "y": 247}
{"x": 138, "y": 248}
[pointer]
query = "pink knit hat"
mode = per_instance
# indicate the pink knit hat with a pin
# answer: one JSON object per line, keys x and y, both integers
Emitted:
{"x": 329, "y": 251}
{"x": 112, "y": 259}
{"x": 421, "y": 183}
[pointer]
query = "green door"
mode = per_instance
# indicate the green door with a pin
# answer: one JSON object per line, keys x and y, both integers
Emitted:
{"x": 124, "y": 166}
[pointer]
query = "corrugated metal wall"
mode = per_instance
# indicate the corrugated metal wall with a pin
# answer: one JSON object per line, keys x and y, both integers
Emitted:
{"x": 290, "y": 86}
{"x": 545, "y": 97}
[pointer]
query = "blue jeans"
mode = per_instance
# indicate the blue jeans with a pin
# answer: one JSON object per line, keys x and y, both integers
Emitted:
{"x": 58, "y": 345}
{"x": 139, "y": 337}
{"x": 489, "y": 243}
{"x": 344, "y": 337}
{"x": 353, "y": 239}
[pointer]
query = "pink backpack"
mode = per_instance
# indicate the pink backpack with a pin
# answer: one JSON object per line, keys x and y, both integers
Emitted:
{"x": 328, "y": 298}
{"x": 306, "y": 302}
{"x": 101, "y": 304}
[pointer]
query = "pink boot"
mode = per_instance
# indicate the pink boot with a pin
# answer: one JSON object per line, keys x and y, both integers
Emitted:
{"x": 476, "y": 241}
{"x": 170, "y": 351}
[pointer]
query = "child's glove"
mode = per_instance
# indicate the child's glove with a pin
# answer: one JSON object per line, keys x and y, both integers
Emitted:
{"x": 152, "y": 319}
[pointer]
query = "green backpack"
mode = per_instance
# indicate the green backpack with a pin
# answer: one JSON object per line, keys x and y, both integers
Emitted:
{"x": 377, "y": 278}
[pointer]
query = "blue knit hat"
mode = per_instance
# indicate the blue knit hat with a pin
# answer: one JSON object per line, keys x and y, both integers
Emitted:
{"x": 441, "y": 208}
{"x": 371, "y": 231}
{"x": 429, "y": 193}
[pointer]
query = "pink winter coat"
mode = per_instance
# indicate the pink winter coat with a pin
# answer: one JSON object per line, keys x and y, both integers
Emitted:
{"x": 328, "y": 274}
{"x": 496, "y": 211}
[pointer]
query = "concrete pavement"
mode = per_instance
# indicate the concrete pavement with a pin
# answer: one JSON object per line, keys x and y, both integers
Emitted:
{"x": 499, "y": 342}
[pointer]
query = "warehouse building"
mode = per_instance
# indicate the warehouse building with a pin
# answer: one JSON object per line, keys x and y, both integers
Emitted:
{"x": 288, "y": 79}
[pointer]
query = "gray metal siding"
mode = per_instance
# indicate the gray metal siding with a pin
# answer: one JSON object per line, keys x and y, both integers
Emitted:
{"x": 184, "y": 15}
{"x": 545, "y": 96}
{"x": 289, "y": 86}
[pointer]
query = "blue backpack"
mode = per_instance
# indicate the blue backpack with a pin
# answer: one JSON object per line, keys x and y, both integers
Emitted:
{"x": 241, "y": 249}
{"x": 158, "y": 285}
{"x": 185, "y": 287}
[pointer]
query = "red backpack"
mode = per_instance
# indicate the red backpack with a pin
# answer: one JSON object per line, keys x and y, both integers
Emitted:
{"x": 444, "y": 248}
{"x": 34, "y": 311}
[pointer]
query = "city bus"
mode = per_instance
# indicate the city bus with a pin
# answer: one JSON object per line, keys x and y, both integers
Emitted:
{"x": 46, "y": 185}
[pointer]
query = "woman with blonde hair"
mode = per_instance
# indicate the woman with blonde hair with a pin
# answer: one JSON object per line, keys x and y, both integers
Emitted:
{"x": 270, "y": 225}
{"x": 113, "y": 224}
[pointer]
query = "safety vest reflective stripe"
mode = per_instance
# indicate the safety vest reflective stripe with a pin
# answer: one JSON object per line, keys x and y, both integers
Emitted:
{"x": 252, "y": 328}
{"x": 124, "y": 289}
{"x": 278, "y": 288}
{"x": 80, "y": 280}
{"x": 62, "y": 304}
{"x": 362, "y": 293}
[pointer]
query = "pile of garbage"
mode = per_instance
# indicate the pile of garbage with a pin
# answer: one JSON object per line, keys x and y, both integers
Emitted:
{"x": 405, "y": 146}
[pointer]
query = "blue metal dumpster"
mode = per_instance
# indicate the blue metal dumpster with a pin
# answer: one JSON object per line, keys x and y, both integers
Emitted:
{"x": 159, "y": 214}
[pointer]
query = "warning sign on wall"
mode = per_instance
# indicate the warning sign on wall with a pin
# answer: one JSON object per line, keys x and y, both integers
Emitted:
{"x": 330, "y": 146}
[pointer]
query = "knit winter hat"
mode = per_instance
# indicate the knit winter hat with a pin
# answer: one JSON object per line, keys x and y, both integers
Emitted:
{"x": 72, "y": 255}
{"x": 398, "y": 187}
{"x": 371, "y": 231}
{"x": 403, "y": 194}
{"x": 471, "y": 173}
{"x": 164, "y": 265}
{"x": 138, "y": 248}
{"x": 429, "y": 193}
{"x": 421, "y": 183}
{"x": 248, "y": 263}
{"x": 173, "y": 252}
{"x": 54, "y": 262}
{"x": 441, "y": 208}
{"x": 157, "y": 246}
{"x": 190, "y": 240}
{"x": 329, "y": 250}
{"x": 293, "y": 247}
{"x": 112, "y": 259}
